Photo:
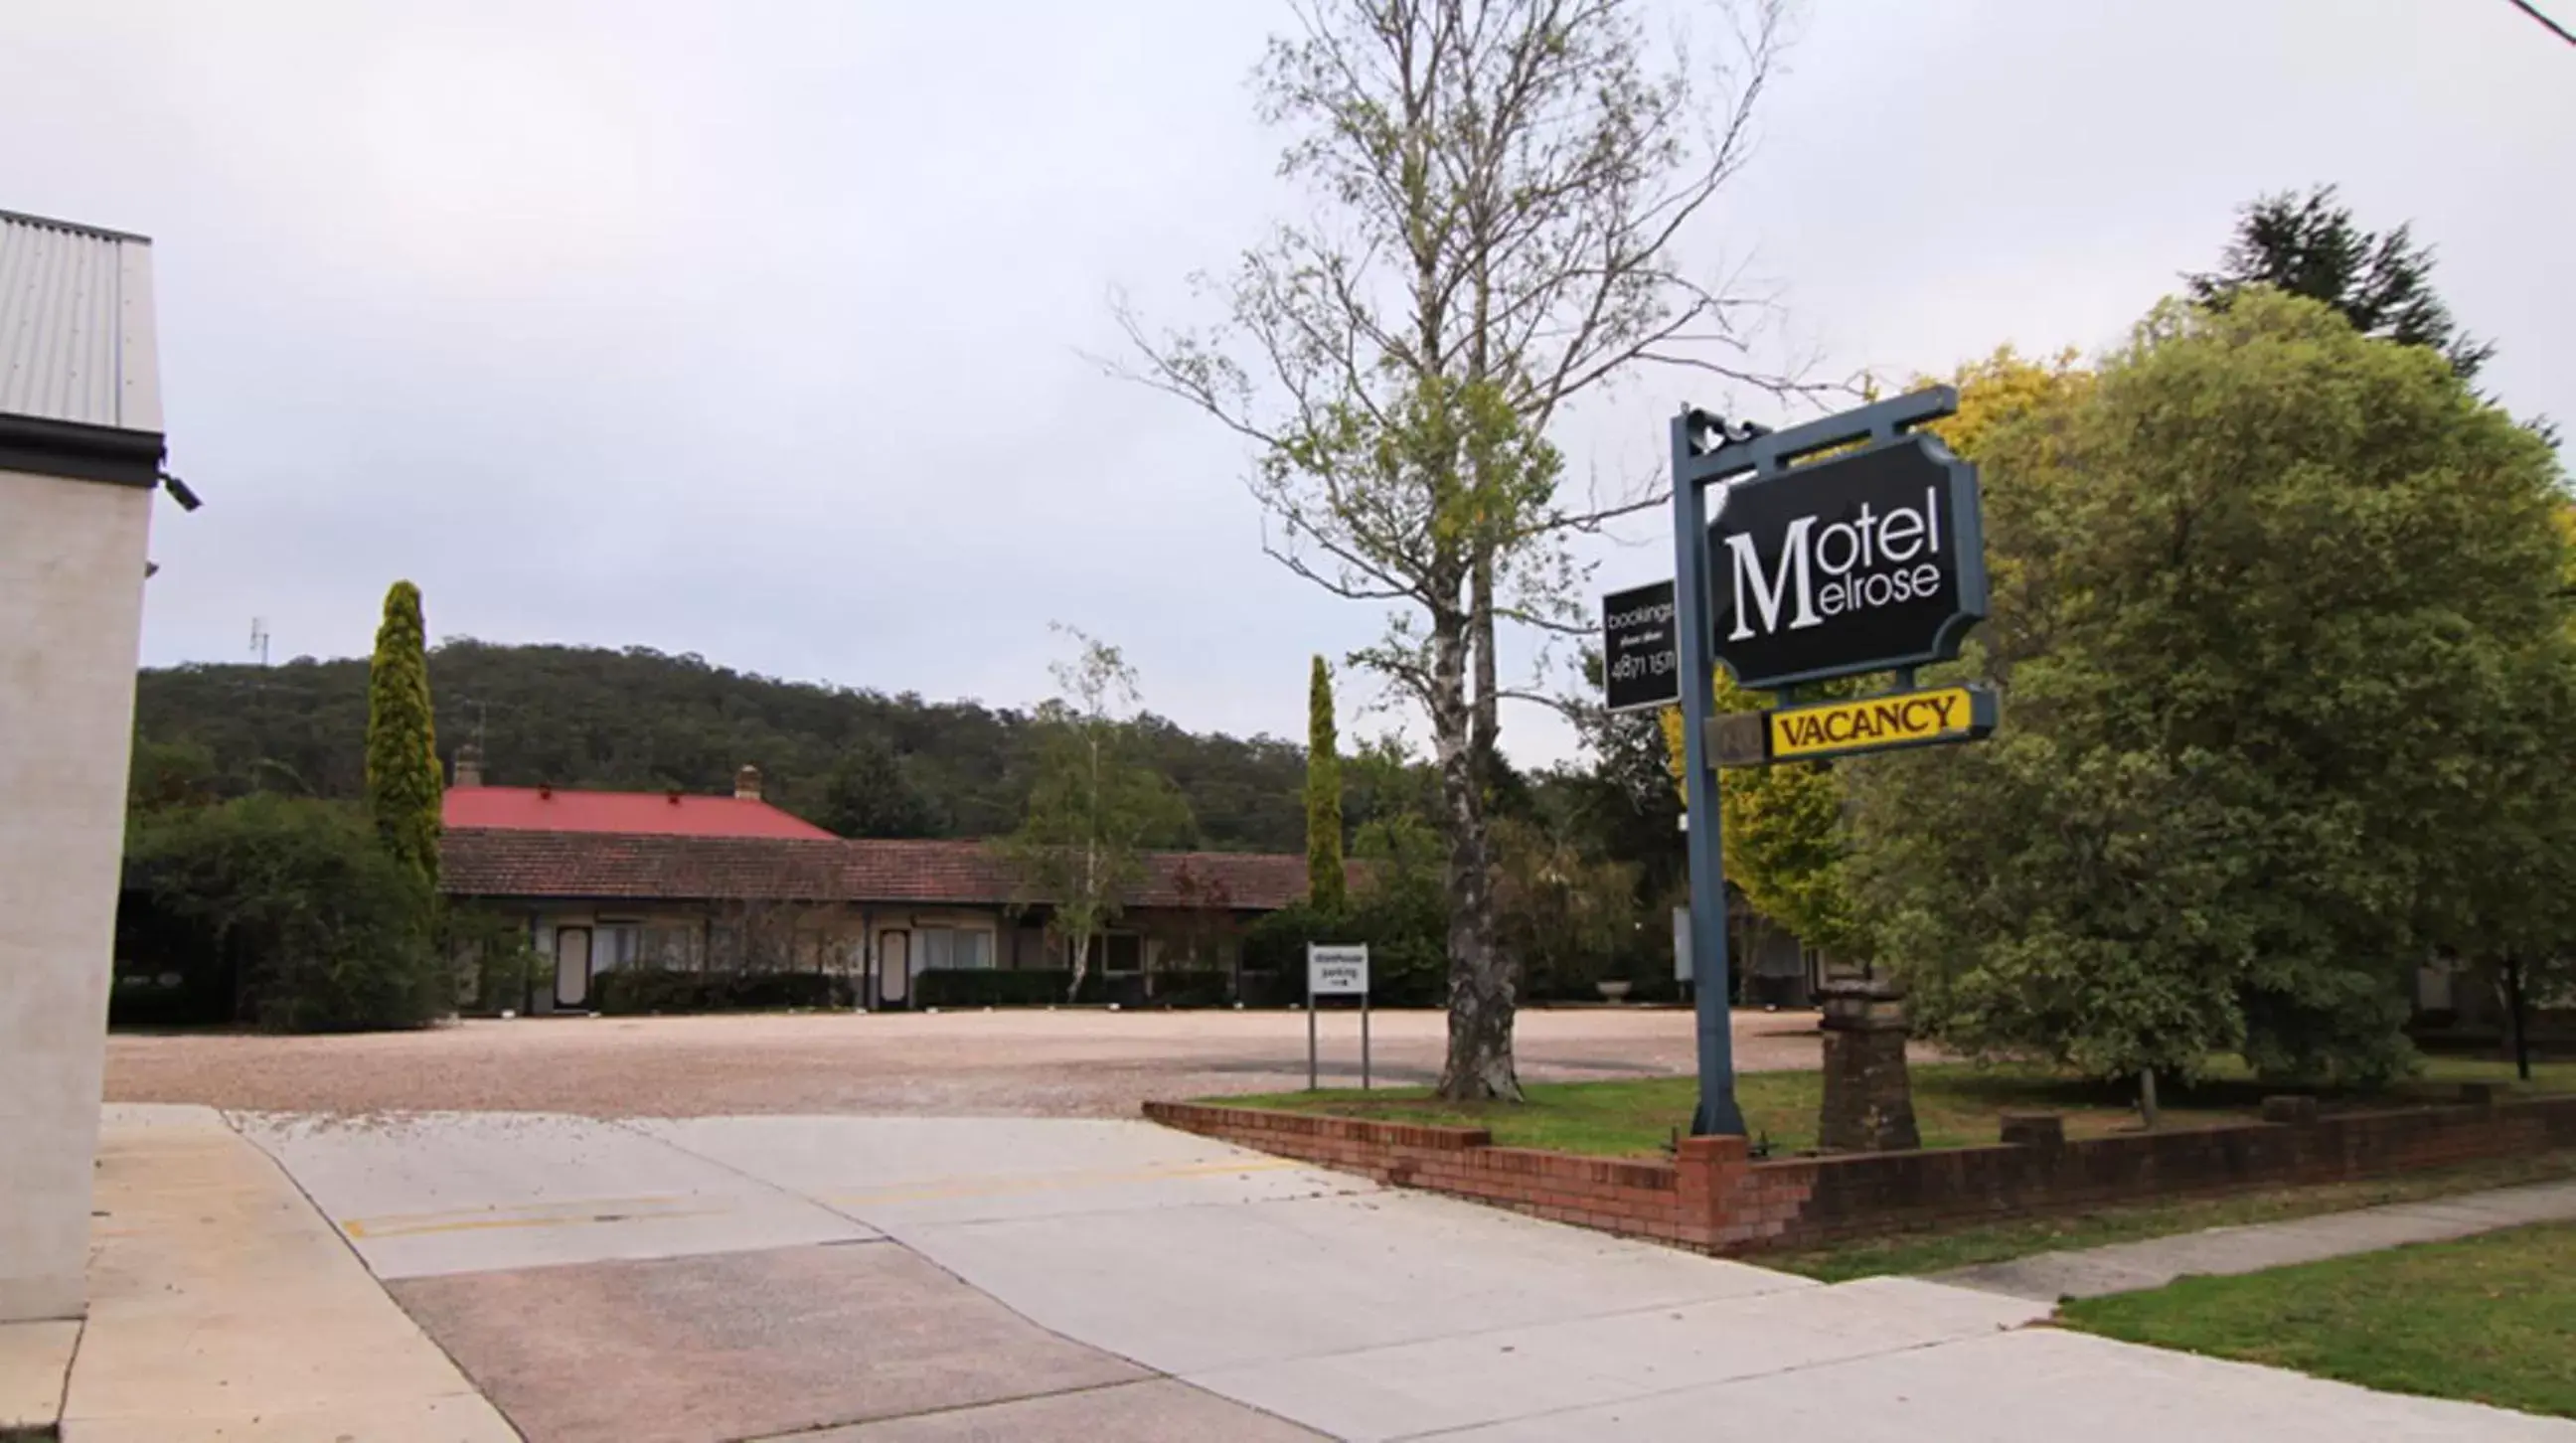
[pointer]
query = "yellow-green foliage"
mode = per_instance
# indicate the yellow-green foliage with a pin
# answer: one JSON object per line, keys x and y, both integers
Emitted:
{"x": 1784, "y": 840}
{"x": 403, "y": 780}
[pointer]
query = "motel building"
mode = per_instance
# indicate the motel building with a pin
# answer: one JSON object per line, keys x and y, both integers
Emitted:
{"x": 605, "y": 881}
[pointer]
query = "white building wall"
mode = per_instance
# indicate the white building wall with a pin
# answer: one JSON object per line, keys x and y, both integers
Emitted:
{"x": 71, "y": 611}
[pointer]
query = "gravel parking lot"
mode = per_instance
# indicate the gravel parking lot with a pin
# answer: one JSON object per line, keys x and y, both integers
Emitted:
{"x": 1010, "y": 1063}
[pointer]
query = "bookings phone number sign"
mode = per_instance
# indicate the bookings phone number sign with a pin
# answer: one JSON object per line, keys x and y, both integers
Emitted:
{"x": 1641, "y": 658}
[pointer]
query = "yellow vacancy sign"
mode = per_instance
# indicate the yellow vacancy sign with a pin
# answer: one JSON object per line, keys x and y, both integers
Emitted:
{"x": 1909, "y": 718}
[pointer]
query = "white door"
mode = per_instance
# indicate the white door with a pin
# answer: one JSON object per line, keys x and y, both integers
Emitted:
{"x": 572, "y": 967}
{"x": 894, "y": 968}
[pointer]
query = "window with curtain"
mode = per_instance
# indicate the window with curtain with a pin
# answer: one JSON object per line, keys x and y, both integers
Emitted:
{"x": 615, "y": 944}
{"x": 953, "y": 947}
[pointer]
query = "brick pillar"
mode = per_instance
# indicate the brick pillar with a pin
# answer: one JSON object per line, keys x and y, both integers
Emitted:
{"x": 1869, "y": 1099}
{"x": 1709, "y": 1174}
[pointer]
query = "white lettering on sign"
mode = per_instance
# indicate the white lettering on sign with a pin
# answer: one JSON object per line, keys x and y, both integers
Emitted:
{"x": 1337, "y": 971}
{"x": 1866, "y": 544}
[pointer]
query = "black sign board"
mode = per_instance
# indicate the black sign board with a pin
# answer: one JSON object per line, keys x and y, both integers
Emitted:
{"x": 1863, "y": 562}
{"x": 1641, "y": 655}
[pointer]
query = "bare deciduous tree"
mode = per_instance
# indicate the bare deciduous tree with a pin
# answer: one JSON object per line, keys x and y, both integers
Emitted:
{"x": 1501, "y": 187}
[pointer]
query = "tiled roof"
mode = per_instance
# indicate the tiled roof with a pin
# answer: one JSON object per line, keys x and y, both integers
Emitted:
{"x": 671, "y": 814}
{"x": 497, "y": 862}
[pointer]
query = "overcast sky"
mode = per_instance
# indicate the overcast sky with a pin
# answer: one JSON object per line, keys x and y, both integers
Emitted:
{"x": 758, "y": 330}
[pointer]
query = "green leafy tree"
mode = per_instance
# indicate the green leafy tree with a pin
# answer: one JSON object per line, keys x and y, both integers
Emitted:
{"x": 2503, "y": 901}
{"x": 1566, "y": 916}
{"x": 168, "y": 776}
{"x": 869, "y": 794}
{"x": 1326, "y": 885}
{"x": 1500, "y": 185}
{"x": 1782, "y": 832}
{"x": 327, "y": 930}
{"x": 2258, "y": 588}
{"x": 1093, "y": 809}
{"x": 2309, "y": 245}
{"x": 403, "y": 781}
{"x": 1619, "y": 802}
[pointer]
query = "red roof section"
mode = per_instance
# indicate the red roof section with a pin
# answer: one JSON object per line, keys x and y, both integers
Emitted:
{"x": 660, "y": 814}
{"x": 513, "y": 863}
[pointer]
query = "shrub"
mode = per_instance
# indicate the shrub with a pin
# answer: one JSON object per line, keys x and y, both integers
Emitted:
{"x": 626, "y": 991}
{"x": 987, "y": 987}
{"x": 1408, "y": 958}
{"x": 327, "y": 931}
{"x": 497, "y": 966}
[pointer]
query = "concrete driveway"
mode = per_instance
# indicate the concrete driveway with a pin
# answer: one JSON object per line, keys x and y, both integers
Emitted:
{"x": 914, "y": 1279}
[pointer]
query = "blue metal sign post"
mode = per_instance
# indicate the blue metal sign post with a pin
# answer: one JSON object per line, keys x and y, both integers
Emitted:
{"x": 1708, "y": 452}
{"x": 1717, "y": 1112}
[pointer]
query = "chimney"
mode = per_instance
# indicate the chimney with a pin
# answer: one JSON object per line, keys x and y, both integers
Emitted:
{"x": 746, "y": 783}
{"x": 469, "y": 765}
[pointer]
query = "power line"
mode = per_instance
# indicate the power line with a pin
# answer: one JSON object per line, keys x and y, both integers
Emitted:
{"x": 2554, "y": 28}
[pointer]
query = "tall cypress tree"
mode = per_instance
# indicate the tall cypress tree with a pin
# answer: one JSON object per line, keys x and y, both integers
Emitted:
{"x": 403, "y": 783}
{"x": 1324, "y": 879}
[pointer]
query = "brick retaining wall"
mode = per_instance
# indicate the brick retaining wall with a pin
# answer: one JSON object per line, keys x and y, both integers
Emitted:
{"x": 1714, "y": 1198}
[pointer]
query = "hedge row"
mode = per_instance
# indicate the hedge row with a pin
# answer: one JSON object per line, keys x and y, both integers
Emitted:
{"x": 629, "y": 990}
{"x": 979, "y": 987}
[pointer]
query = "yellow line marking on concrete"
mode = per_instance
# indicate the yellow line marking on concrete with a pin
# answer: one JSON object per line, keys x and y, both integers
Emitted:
{"x": 545, "y": 1205}
{"x": 1047, "y": 1182}
{"x": 563, "y": 1214}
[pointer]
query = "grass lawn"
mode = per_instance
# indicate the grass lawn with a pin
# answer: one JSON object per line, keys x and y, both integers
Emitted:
{"x": 1932, "y": 1252}
{"x": 2491, "y": 1319}
{"x": 1955, "y": 1104}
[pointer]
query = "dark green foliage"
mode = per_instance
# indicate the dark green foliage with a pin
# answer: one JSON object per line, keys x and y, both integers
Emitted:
{"x": 326, "y": 930}
{"x": 403, "y": 778}
{"x": 1568, "y": 920}
{"x": 987, "y": 987}
{"x": 1401, "y": 911}
{"x": 2382, "y": 283}
{"x": 1326, "y": 886}
{"x": 868, "y": 793}
{"x": 494, "y": 949}
{"x": 1047, "y": 987}
{"x": 2264, "y": 596}
{"x": 625, "y": 991}
{"x": 1623, "y": 807}
{"x": 640, "y": 720}
{"x": 171, "y": 971}
{"x": 169, "y": 775}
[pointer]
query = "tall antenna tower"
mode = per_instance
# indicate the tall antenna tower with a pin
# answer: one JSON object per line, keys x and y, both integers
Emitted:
{"x": 259, "y": 638}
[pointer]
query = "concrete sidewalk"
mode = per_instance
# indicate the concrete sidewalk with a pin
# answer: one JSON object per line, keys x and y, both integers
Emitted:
{"x": 2154, "y": 1262}
{"x": 858, "y": 1279}
{"x": 222, "y": 1306}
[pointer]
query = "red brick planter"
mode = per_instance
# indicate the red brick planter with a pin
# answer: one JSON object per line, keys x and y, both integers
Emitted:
{"x": 1714, "y": 1198}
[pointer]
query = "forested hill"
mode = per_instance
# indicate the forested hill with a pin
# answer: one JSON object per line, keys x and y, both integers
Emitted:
{"x": 861, "y": 762}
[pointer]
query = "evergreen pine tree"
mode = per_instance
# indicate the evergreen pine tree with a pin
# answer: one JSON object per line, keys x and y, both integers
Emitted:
{"x": 403, "y": 783}
{"x": 1325, "y": 886}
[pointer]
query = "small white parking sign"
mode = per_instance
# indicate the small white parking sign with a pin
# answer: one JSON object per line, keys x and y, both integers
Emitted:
{"x": 1337, "y": 971}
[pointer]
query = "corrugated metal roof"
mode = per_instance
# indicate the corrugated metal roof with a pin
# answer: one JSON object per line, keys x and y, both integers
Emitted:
{"x": 76, "y": 338}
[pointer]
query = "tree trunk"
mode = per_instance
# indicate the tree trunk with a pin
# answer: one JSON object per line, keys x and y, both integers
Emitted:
{"x": 1479, "y": 1066}
{"x": 2517, "y": 1017}
{"x": 1081, "y": 965}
